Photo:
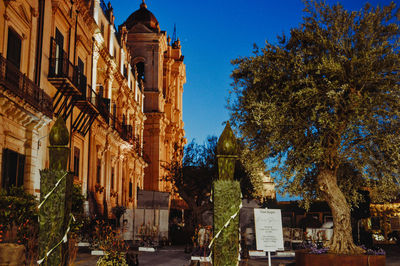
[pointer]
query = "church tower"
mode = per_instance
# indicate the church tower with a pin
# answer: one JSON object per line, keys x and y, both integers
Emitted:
{"x": 161, "y": 74}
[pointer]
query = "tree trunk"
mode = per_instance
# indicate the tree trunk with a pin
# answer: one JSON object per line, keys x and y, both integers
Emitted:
{"x": 342, "y": 239}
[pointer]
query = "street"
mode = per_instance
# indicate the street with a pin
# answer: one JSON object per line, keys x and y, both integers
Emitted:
{"x": 175, "y": 256}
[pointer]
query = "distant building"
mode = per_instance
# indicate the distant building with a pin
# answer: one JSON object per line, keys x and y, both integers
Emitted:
{"x": 120, "y": 93}
{"x": 268, "y": 187}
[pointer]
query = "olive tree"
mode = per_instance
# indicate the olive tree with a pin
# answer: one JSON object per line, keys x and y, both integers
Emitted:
{"x": 323, "y": 99}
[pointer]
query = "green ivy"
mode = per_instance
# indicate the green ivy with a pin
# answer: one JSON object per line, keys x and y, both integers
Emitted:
{"x": 226, "y": 203}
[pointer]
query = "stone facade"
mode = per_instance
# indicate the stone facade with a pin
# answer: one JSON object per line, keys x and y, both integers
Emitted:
{"x": 66, "y": 58}
{"x": 163, "y": 73}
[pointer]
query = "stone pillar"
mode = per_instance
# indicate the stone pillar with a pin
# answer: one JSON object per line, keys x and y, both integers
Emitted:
{"x": 31, "y": 160}
{"x": 108, "y": 84}
{"x": 96, "y": 55}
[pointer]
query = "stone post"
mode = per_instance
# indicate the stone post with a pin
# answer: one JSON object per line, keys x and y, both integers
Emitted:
{"x": 55, "y": 194}
{"x": 227, "y": 201}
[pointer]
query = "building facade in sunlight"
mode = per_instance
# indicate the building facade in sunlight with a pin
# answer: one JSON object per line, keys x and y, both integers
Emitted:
{"x": 119, "y": 91}
{"x": 160, "y": 66}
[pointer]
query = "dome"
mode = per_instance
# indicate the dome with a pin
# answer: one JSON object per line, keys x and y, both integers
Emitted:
{"x": 142, "y": 16}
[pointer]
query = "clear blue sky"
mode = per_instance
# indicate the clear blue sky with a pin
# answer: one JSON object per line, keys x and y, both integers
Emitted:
{"x": 212, "y": 33}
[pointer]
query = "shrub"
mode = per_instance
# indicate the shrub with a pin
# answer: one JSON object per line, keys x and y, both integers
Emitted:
{"x": 114, "y": 248}
{"x": 18, "y": 216}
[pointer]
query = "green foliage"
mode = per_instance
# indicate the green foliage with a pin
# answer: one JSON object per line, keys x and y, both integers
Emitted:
{"x": 226, "y": 203}
{"x": 248, "y": 171}
{"x": 18, "y": 210}
{"x": 106, "y": 239}
{"x": 77, "y": 210}
{"x": 193, "y": 176}
{"x": 77, "y": 200}
{"x": 325, "y": 97}
{"x": 111, "y": 259}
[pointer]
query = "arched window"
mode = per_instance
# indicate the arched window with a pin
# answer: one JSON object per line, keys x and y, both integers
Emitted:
{"x": 140, "y": 70}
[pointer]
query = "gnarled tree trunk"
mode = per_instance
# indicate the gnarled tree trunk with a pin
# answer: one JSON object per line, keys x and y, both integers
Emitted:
{"x": 342, "y": 239}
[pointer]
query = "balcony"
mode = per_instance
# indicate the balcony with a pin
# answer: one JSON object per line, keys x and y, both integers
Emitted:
{"x": 64, "y": 75}
{"x": 20, "y": 85}
{"x": 102, "y": 104}
{"x": 125, "y": 131}
{"x": 88, "y": 113}
{"x": 128, "y": 133}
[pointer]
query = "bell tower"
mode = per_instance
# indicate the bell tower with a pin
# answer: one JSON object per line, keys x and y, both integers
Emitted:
{"x": 161, "y": 74}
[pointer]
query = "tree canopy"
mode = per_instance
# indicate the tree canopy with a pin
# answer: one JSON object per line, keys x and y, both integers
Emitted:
{"x": 324, "y": 100}
{"x": 192, "y": 177}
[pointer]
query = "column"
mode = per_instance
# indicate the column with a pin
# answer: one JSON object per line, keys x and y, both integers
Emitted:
{"x": 96, "y": 55}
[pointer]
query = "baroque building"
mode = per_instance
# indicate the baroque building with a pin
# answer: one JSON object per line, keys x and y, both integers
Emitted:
{"x": 120, "y": 93}
{"x": 161, "y": 68}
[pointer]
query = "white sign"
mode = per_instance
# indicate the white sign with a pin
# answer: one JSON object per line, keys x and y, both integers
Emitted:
{"x": 268, "y": 223}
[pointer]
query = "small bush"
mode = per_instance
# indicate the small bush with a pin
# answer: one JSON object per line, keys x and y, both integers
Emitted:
{"x": 18, "y": 216}
{"x": 114, "y": 248}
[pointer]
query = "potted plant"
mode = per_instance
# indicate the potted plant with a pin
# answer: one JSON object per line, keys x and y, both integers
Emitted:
{"x": 113, "y": 248}
{"x": 318, "y": 255}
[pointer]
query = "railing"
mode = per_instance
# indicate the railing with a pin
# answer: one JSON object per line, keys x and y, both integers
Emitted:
{"x": 125, "y": 131}
{"x": 19, "y": 84}
{"x": 102, "y": 104}
{"x": 61, "y": 67}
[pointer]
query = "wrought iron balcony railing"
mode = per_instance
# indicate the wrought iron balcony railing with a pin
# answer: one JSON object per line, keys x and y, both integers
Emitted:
{"x": 125, "y": 131}
{"x": 20, "y": 85}
{"x": 102, "y": 104}
{"x": 61, "y": 67}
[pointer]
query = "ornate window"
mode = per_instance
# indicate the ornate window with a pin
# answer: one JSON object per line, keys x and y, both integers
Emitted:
{"x": 140, "y": 70}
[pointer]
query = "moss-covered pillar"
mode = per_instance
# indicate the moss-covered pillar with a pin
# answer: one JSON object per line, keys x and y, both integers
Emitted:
{"x": 226, "y": 202}
{"x": 55, "y": 194}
